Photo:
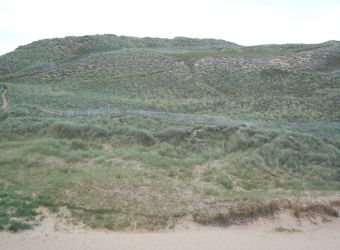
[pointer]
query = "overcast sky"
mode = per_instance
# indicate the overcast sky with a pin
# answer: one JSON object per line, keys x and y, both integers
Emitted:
{"x": 246, "y": 22}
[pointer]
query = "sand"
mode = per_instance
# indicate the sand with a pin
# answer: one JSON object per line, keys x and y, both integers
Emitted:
{"x": 4, "y": 100}
{"x": 318, "y": 233}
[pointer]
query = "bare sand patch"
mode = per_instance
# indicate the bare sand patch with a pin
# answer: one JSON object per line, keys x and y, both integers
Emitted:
{"x": 4, "y": 100}
{"x": 54, "y": 233}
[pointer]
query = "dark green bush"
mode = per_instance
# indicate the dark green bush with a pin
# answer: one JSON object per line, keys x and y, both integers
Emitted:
{"x": 17, "y": 226}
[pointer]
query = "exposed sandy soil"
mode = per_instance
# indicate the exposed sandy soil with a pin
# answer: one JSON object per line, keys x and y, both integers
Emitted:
{"x": 321, "y": 233}
{"x": 4, "y": 100}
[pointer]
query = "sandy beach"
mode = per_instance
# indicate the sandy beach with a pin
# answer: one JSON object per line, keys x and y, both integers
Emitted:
{"x": 52, "y": 234}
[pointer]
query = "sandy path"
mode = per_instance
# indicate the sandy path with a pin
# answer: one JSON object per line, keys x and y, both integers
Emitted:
{"x": 259, "y": 235}
{"x": 4, "y": 100}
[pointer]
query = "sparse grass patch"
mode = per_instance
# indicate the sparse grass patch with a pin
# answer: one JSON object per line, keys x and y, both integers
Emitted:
{"x": 284, "y": 229}
{"x": 17, "y": 212}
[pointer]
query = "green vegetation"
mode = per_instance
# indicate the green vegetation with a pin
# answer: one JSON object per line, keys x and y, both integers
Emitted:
{"x": 287, "y": 82}
{"x": 16, "y": 212}
{"x": 130, "y": 133}
{"x": 289, "y": 230}
{"x": 133, "y": 172}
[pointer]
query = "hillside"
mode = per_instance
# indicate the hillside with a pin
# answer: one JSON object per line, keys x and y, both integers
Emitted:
{"x": 132, "y": 133}
{"x": 271, "y": 82}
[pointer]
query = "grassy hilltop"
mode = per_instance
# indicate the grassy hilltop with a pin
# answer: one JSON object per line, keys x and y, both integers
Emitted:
{"x": 138, "y": 133}
{"x": 285, "y": 82}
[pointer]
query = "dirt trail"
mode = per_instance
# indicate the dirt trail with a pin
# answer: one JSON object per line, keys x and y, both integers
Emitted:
{"x": 4, "y": 100}
{"x": 325, "y": 234}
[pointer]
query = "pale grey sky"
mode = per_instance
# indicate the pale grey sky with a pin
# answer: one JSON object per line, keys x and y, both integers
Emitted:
{"x": 246, "y": 22}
